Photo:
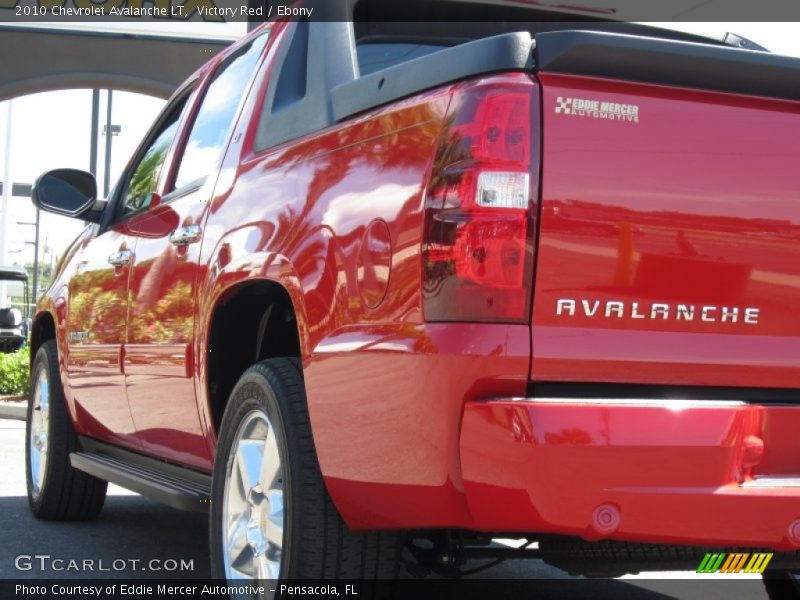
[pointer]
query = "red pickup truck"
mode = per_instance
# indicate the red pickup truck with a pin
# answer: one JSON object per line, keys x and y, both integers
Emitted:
{"x": 365, "y": 291}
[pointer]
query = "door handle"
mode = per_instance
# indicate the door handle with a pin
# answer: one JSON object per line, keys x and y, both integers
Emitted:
{"x": 121, "y": 258}
{"x": 183, "y": 236}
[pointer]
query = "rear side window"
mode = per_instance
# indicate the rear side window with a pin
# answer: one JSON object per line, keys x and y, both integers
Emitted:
{"x": 216, "y": 114}
{"x": 374, "y": 57}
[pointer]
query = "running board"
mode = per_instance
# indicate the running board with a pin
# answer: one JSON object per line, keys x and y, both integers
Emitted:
{"x": 173, "y": 485}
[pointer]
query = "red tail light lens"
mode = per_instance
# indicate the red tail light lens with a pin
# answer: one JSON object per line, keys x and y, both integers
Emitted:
{"x": 480, "y": 205}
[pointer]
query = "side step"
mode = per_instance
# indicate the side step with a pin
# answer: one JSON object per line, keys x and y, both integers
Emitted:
{"x": 173, "y": 485}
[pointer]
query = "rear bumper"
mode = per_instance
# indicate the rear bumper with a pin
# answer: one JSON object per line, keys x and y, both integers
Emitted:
{"x": 676, "y": 472}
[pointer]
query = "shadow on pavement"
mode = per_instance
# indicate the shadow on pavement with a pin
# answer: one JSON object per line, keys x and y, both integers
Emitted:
{"x": 130, "y": 528}
{"x": 132, "y": 531}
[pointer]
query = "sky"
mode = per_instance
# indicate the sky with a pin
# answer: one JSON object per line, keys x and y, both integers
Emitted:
{"x": 63, "y": 119}
{"x": 52, "y": 130}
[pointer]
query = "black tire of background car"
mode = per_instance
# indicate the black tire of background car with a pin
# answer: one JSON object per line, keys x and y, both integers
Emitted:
{"x": 67, "y": 494}
{"x": 317, "y": 545}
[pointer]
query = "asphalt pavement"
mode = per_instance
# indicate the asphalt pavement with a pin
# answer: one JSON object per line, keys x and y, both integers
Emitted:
{"x": 135, "y": 537}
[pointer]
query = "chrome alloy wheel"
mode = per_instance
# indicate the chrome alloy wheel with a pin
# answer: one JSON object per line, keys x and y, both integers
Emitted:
{"x": 40, "y": 425}
{"x": 252, "y": 510}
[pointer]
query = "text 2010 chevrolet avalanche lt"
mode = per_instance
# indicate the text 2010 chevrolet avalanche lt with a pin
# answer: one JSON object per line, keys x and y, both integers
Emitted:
{"x": 356, "y": 291}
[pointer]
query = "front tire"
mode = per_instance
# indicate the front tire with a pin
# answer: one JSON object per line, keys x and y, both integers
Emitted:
{"x": 271, "y": 516}
{"x": 56, "y": 491}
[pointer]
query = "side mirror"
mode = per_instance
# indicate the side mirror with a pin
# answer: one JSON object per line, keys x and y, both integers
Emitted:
{"x": 68, "y": 192}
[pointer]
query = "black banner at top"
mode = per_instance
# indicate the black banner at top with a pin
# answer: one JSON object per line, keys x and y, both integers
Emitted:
{"x": 442, "y": 11}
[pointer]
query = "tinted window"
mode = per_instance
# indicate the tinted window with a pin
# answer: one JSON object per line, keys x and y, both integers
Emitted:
{"x": 216, "y": 114}
{"x": 144, "y": 176}
{"x": 374, "y": 57}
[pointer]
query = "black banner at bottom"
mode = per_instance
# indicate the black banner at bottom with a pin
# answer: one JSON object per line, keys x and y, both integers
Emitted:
{"x": 492, "y": 589}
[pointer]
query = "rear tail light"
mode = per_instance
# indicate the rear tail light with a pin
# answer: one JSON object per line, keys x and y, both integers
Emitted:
{"x": 478, "y": 240}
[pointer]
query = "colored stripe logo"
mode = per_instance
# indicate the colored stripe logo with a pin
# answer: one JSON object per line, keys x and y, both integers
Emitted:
{"x": 735, "y": 562}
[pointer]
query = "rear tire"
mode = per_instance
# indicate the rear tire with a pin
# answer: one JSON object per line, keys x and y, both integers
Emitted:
{"x": 268, "y": 409}
{"x": 56, "y": 491}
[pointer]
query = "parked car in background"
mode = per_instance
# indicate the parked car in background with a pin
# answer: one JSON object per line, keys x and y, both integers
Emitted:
{"x": 14, "y": 323}
{"x": 355, "y": 298}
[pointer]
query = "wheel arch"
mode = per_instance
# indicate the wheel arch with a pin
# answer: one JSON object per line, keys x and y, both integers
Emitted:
{"x": 43, "y": 329}
{"x": 251, "y": 320}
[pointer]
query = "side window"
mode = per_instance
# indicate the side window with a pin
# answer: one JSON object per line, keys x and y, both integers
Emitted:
{"x": 217, "y": 111}
{"x": 143, "y": 177}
